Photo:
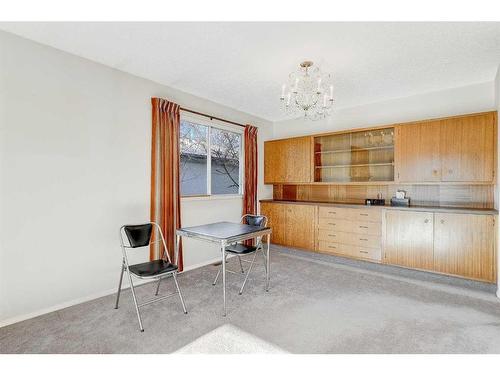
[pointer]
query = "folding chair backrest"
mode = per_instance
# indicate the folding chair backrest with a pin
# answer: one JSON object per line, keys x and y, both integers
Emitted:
{"x": 138, "y": 235}
{"x": 256, "y": 220}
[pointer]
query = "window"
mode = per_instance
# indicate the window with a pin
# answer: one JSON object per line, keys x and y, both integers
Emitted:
{"x": 210, "y": 159}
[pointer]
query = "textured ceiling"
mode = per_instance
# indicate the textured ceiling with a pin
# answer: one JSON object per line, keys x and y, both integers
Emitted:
{"x": 242, "y": 65}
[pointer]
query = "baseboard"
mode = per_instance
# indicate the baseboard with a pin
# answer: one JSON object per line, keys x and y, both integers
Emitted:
{"x": 91, "y": 297}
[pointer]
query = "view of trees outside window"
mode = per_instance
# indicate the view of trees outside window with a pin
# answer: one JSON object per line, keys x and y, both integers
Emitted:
{"x": 224, "y": 159}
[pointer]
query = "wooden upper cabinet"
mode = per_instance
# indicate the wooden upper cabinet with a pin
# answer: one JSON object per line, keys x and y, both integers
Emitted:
{"x": 409, "y": 239}
{"x": 288, "y": 161}
{"x": 300, "y": 221}
{"x": 417, "y": 155}
{"x": 467, "y": 148}
{"x": 456, "y": 149}
{"x": 464, "y": 245}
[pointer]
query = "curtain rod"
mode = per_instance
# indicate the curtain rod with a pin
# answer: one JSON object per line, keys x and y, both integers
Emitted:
{"x": 211, "y": 117}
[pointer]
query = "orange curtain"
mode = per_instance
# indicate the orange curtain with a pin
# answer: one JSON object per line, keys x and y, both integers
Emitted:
{"x": 165, "y": 194}
{"x": 250, "y": 191}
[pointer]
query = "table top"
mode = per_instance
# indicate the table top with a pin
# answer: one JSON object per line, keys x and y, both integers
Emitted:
{"x": 223, "y": 230}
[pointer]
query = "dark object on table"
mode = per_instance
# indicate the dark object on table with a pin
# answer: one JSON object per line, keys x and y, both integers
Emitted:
{"x": 375, "y": 202}
{"x": 403, "y": 202}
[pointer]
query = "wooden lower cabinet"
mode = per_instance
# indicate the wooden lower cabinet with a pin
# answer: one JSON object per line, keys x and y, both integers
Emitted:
{"x": 300, "y": 226}
{"x": 408, "y": 240}
{"x": 275, "y": 213}
{"x": 293, "y": 225}
{"x": 464, "y": 245}
{"x": 454, "y": 244}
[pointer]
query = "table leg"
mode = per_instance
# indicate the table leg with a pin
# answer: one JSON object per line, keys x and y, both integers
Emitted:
{"x": 268, "y": 263}
{"x": 176, "y": 250}
{"x": 223, "y": 250}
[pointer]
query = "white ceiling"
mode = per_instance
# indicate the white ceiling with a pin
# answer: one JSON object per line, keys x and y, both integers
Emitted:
{"x": 242, "y": 65}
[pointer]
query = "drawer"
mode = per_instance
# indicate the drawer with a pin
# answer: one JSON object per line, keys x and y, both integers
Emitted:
{"x": 333, "y": 212}
{"x": 350, "y": 226}
{"x": 352, "y": 214}
{"x": 357, "y": 239}
{"x": 349, "y": 250}
{"x": 365, "y": 214}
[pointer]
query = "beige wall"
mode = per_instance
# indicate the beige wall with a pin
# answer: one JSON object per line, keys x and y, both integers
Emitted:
{"x": 75, "y": 165}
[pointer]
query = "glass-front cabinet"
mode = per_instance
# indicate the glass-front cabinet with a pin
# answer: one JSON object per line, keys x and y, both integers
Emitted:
{"x": 362, "y": 156}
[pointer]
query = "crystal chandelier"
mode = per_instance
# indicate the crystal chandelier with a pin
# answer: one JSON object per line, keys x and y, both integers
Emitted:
{"x": 309, "y": 91}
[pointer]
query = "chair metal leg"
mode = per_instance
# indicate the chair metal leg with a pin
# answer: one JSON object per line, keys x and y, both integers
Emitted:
{"x": 248, "y": 273}
{"x": 135, "y": 301}
{"x": 216, "y": 277}
{"x": 180, "y": 294}
{"x": 158, "y": 287}
{"x": 119, "y": 287}
{"x": 241, "y": 265}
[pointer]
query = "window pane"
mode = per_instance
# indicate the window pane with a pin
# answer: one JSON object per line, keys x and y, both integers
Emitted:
{"x": 193, "y": 160}
{"x": 225, "y": 150}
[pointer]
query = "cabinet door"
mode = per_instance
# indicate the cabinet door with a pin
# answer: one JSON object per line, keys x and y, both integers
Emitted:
{"x": 408, "y": 241}
{"x": 274, "y": 162}
{"x": 467, "y": 148}
{"x": 464, "y": 245}
{"x": 288, "y": 161}
{"x": 417, "y": 152}
{"x": 300, "y": 226}
{"x": 275, "y": 214}
{"x": 298, "y": 159}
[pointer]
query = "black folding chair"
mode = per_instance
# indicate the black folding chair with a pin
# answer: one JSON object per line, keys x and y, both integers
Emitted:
{"x": 140, "y": 236}
{"x": 241, "y": 249}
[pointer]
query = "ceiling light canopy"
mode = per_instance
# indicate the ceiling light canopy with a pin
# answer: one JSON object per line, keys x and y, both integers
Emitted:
{"x": 309, "y": 92}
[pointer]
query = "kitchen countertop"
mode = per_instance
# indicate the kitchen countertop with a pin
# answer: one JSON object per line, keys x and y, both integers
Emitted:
{"x": 464, "y": 210}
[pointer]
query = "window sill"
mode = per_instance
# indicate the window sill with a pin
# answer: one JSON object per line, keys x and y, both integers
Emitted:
{"x": 212, "y": 197}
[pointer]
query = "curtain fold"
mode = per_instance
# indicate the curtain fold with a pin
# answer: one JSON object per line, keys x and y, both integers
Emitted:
{"x": 165, "y": 193}
{"x": 250, "y": 191}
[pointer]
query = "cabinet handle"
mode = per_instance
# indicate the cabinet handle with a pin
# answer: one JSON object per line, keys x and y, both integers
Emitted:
{"x": 332, "y": 247}
{"x": 450, "y": 171}
{"x": 434, "y": 172}
{"x": 331, "y": 224}
{"x": 363, "y": 239}
{"x": 363, "y": 226}
{"x": 442, "y": 221}
{"x": 332, "y": 235}
{"x": 426, "y": 221}
{"x": 332, "y": 212}
{"x": 364, "y": 252}
{"x": 363, "y": 214}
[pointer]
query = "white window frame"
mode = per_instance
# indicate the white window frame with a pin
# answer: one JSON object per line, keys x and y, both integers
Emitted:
{"x": 213, "y": 123}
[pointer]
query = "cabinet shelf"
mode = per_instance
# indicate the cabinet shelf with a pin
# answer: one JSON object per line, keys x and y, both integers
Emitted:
{"x": 356, "y": 149}
{"x": 354, "y": 165}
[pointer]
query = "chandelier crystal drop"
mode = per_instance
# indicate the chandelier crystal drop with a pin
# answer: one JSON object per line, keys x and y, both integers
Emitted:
{"x": 309, "y": 92}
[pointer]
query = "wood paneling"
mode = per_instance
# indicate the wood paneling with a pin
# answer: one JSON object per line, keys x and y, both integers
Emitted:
{"x": 462, "y": 195}
{"x": 409, "y": 239}
{"x": 467, "y": 148}
{"x": 417, "y": 154}
{"x": 464, "y": 245}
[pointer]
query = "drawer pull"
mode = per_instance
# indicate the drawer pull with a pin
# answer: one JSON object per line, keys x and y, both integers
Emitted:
{"x": 332, "y": 247}
{"x": 332, "y": 212}
{"x": 363, "y": 226}
{"x": 363, "y": 239}
{"x": 363, "y": 214}
{"x": 363, "y": 251}
{"x": 331, "y": 224}
{"x": 332, "y": 235}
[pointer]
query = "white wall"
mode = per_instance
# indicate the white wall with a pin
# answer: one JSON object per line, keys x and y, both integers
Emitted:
{"x": 75, "y": 150}
{"x": 460, "y": 100}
